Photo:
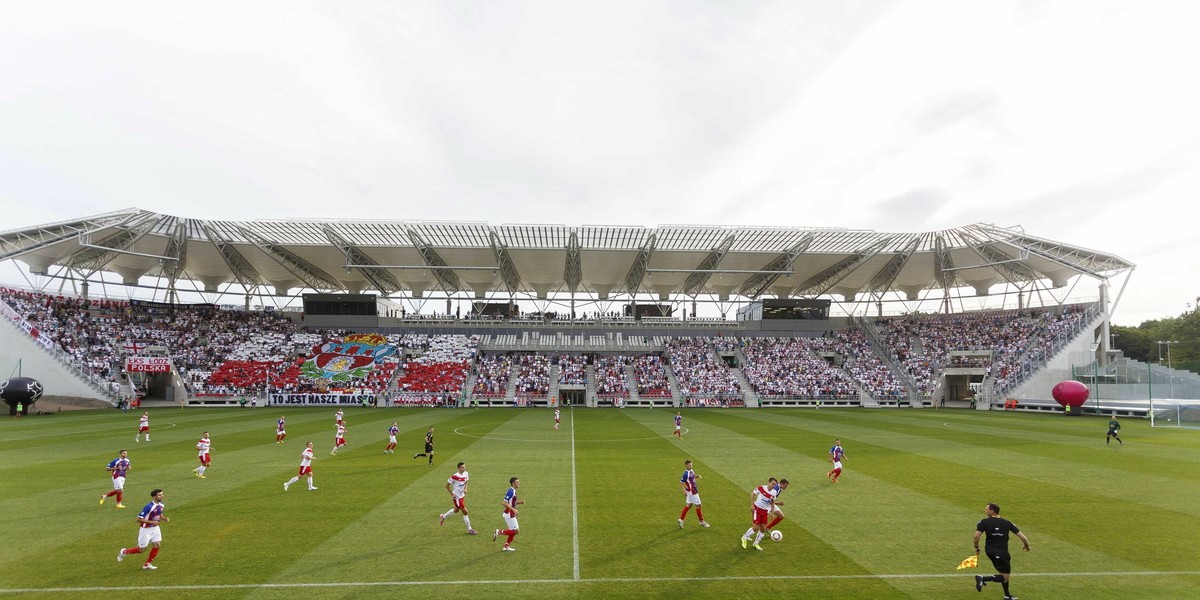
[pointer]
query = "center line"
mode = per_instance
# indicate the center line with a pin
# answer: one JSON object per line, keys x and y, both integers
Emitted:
{"x": 574, "y": 500}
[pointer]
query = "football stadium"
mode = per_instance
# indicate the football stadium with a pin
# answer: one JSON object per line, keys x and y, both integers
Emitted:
{"x": 561, "y": 376}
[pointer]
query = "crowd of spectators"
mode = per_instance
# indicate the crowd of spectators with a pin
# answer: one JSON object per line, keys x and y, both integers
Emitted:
{"x": 650, "y": 373}
{"x": 492, "y": 372}
{"x": 533, "y": 376}
{"x": 611, "y": 379}
{"x": 230, "y": 352}
{"x": 572, "y": 370}
{"x": 788, "y": 368}
{"x": 699, "y": 372}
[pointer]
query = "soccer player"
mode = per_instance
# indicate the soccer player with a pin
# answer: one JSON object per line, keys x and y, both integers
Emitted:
{"x": 306, "y": 459}
{"x": 428, "y": 446}
{"x": 393, "y": 431}
{"x": 678, "y": 425}
{"x": 457, "y": 486}
{"x": 510, "y": 515}
{"x": 762, "y": 498}
{"x": 339, "y": 438}
{"x": 280, "y": 432}
{"x": 691, "y": 495}
{"x": 338, "y": 416}
{"x": 836, "y": 456}
{"x": 775, "y": 510}
{"x": 150, "y": 533}
{"x": 556, "y": 419}
{"x": 996, "y": 547}
{"x": 143, "y": 427}
{"x": 118, "y": 467}
{"x": 203, "y": 447}
{"x": 1113, "y": 428}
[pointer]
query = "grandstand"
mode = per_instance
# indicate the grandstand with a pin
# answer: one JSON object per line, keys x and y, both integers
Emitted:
{"x": 352, "y": 312}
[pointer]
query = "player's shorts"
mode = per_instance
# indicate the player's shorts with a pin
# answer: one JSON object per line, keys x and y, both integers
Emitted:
{"x": 144, "y": 429}
{"x": 149, "y": 535}
{"x": 280, "y": 432}
{"x": 1112, "y": 432}
{"x": 339, "y": 442}
{"x": 692, "y": 499}
{"x": 678, "y": 427}
{"x": 428, "y": 448}
{"x": 305, "y": 470}
{"x": 460, "y": 502}
{"x": 204, "y": 459}
{"x": 775, "y": 509}
{"x": 760, "y": 516}
{"x": 511, "y": 522}
{"x": 837, "y": 464}
{"x": 391, "y": 439}
{"x": 118, "y": 483}
{"x": 1001, "y": 560}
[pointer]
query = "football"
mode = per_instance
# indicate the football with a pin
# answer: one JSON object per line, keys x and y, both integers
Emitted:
{"x": 777, "y": 535}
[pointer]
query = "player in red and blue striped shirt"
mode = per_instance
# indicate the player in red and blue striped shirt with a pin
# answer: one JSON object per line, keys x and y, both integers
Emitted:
{"x": 118, "y": 466}
{"x": 691, "y": 494}
{"x": 150, "y": 533}
{"x": 510, "y": 515}
{"x": 393, "y": 431}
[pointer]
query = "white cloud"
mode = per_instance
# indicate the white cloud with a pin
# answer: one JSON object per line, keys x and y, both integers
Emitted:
{"x": 1075, "y": 120}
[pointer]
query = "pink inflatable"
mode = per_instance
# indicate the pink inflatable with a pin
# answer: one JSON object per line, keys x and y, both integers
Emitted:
{"x": 1070, "y": 393}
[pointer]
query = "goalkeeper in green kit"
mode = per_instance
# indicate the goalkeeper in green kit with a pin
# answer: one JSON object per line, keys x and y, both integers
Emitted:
{"x": 1113, "y": 428}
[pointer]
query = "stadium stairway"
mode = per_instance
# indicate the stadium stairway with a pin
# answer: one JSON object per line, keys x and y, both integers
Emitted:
{"x": 748, "y": 394}
{"x": 631, "y": 379}
{"x": 555, "y": 371}
{"x": 589, "y": 388}
{"x": 510, "y": 392}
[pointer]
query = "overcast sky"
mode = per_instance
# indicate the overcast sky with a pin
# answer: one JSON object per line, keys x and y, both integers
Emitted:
{"x": 1077, "y": 121}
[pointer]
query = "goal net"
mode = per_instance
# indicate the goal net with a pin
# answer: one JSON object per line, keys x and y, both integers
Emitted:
{"x": 1176, "y": 415}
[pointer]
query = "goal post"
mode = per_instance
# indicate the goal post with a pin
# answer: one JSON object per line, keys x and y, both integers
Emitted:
{"x": 1177, "y": 414}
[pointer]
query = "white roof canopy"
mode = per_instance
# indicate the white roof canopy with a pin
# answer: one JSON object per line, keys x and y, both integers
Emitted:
{"x": 413, "y": 258}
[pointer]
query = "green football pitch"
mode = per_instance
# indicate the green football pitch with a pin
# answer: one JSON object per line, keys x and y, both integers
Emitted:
{"x": 602, "y": 501}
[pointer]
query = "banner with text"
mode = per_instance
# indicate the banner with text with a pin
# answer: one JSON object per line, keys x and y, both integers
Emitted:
{"x": 147, "y": 364}
{"x": 314, "y": 399}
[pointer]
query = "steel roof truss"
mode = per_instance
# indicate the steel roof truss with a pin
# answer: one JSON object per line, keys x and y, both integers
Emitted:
{"x": 756, "y": 285}
{"x": 883, "y": 280}
{"x": 508, "y": 270}
{"x": 825, "y": 280}
{"x": 696, "y": 281}
{"x": 637, "y": 271}
{"x": 301, "y": 269}
{"x": 245, "y": 273}
{"x": 380, "y": 279}
{"x": 446, "y": 277}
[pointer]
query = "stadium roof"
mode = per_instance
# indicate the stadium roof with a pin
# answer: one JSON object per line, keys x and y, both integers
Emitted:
{"x": 415, "y": 258}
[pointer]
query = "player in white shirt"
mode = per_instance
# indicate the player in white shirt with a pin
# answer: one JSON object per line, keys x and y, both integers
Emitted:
{"x": 557, "y": 417}
{"x": 202, "y": 447}
{"x": 143, "y": 427}
{"x": 306, "y": 459}
{"x": 339, "y": 438}
{"x": 762, "y": 500}
{"x": 457, "y": 486}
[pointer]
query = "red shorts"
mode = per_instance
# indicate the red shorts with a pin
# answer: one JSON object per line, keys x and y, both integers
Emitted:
{"x": 305, "y": 471}
{"x": 339, "y": 442}
{"x": 461, "y": 504}
{"x": 204, "y": 459}
{"x": 760, "y": 516}
{"x": 141, "y": 429}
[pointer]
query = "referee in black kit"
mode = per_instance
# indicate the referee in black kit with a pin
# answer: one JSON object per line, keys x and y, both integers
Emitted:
{"x": 996, "y": 547}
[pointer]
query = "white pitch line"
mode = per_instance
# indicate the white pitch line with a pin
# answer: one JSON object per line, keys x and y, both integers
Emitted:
{"x": 244, "y": 586}
{"x": 574, "y": 501}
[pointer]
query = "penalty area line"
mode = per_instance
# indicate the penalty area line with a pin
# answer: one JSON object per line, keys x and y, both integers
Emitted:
{"x": 364, "y": 584}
